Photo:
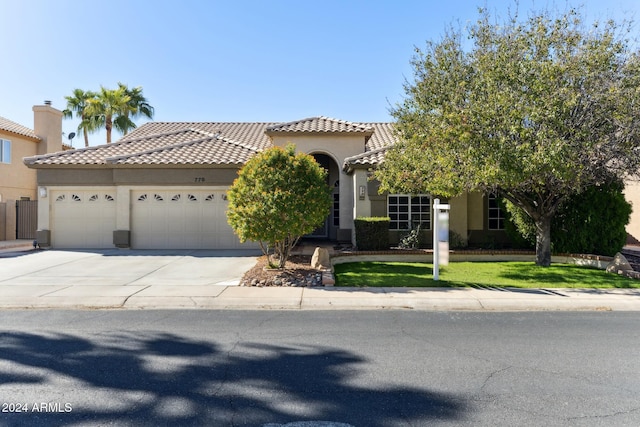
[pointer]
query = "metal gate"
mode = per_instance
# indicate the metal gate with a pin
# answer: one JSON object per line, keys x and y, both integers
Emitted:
{"x": 26, "y": 219}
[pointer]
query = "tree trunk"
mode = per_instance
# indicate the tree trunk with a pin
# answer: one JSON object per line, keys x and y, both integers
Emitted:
{"x": 86, "y": 137}
{"x": 543, "y": 241}
{"x": 108, "y": 126}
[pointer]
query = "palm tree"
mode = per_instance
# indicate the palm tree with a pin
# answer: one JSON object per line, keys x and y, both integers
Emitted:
{"x": 138, "y": 106}
{"x": 107, "y": 106}
{"x": 77, "y": 104}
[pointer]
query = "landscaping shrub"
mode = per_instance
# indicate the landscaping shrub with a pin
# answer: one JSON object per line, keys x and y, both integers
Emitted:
{"x": 456, "y": 241}
{"x": 411, "y": 240}
{"x": 592, "y": 222}
{"x": 279, "y": 196}
{"x": 372, "y": 233}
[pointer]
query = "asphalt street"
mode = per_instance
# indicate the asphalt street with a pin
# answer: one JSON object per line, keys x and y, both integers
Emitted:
{"x": 318, "y": 368}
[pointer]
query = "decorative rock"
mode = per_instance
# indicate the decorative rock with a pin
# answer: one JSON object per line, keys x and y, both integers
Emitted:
{"x": 327, "y": 278}
{"x": 254, "y": 282}
{"x": 619, "y": 265}
{"x": 320, "y": 259}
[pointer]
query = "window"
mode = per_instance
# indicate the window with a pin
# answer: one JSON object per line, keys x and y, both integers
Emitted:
{"x": 407, "y": 211}
{"x": 336, "y": 209}
{"x": 495, "y": 214}
{"x": 5, "y": 151}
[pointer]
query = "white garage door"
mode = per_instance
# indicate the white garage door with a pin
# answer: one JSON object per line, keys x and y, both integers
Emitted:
{"x": 83, "y": 218}
{"x": 181, "y": 219}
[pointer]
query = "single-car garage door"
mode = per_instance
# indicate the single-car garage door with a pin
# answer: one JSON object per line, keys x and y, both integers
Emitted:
{"x": 83, "y": 218}
{"x": 181, "y": 219}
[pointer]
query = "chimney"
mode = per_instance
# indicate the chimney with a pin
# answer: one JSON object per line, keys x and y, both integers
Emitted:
{"x": 47, "y": 124}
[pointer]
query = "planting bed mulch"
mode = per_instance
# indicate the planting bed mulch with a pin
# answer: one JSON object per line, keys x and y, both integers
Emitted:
{"x": 298, "y": 272}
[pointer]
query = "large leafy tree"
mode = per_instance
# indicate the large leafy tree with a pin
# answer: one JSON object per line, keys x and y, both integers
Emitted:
{"x": 76, "y": 103}
{"x": 536, "y": 110}
{"x": 278, "y": 197}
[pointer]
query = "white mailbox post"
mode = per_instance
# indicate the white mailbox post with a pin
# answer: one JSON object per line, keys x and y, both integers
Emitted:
{"x": 440, "y": 237}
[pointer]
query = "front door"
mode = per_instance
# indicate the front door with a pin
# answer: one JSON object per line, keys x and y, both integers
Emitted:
{"x": 322, "y": 231}
{"x": 327, "y": 229}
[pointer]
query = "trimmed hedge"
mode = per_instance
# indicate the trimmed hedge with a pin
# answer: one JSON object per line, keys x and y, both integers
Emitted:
{"x": 372, "y": 233}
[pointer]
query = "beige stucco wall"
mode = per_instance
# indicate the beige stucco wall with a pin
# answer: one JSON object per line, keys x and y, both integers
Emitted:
{"x": 16, "y": 180}
{"x": 47, "y": 124}
{"x": 149, "y": 176}
{"x": 458, "y": 213}
{"x": 632, "y": 194}
{"x": 475, "y": 211}
{"x": 362, "y": 205}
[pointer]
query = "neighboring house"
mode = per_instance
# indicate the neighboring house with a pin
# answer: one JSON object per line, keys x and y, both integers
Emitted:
{"x": 18, "y": 182}
{"x": 164, "y": 186}
{"x": 632, "y": 194}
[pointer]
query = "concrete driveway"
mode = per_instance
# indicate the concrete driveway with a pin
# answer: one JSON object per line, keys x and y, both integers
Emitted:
{"x": 125, "y": 267}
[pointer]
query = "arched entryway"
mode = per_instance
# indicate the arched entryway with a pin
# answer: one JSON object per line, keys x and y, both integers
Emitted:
{"x": 329, "y": 230}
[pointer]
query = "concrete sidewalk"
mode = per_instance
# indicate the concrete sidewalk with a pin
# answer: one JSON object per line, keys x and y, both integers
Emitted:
{"x": 280, "y": 298}
{"x": 147, "y": 286}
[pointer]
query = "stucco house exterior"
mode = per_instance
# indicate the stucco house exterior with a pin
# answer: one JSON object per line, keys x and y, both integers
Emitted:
{"x": 18, "y": 182}
{"x": 164, "y": 186}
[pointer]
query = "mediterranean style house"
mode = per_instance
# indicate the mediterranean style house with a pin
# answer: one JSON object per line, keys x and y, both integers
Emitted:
{"x": 17, "y": 182}
{"x": 164, "y": 186}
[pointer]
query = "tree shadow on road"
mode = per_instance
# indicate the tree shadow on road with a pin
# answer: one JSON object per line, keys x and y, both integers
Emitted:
{"x": 162, "y": 379}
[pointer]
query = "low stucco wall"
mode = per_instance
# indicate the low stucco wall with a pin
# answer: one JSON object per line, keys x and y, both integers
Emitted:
{"x": 467, "y": 256}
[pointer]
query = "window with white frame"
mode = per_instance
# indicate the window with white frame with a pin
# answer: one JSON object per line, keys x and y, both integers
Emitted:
{"x": 495, "y": 214}
{"x": 5, "y": 151}
{"x": 408, "y": 211}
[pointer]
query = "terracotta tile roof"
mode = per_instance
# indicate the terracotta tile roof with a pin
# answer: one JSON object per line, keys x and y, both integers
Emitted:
{"x": 178, "y": 147}
{"x": 213, "y": 143}
{"x": 367, "y": 159}
{"x": 13, "y": 127}
{"x": 319, "y": 124}
{"x": 207, "y": 151}
{"x": 251, "y": 134}
{"x": 383, "y": 135}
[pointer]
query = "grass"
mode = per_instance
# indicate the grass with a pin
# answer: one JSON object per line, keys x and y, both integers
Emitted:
{"x": 460, "y": 274}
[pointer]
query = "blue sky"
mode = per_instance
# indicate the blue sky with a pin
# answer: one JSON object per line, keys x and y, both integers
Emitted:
{"x": 235, "y": 60}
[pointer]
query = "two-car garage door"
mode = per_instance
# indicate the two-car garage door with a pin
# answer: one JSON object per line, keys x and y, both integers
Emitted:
{"x": 158, "y": 218}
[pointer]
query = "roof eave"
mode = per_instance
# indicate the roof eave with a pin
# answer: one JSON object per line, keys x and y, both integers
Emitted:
{"x": 33, "y": 138}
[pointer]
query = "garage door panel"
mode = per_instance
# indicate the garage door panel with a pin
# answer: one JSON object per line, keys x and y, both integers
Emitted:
{"x": 181, "y": 219}
{"x": 83, "y": 218}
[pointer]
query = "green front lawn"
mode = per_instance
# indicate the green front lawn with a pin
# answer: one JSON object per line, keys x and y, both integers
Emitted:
{"x": 504, "y": 274}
